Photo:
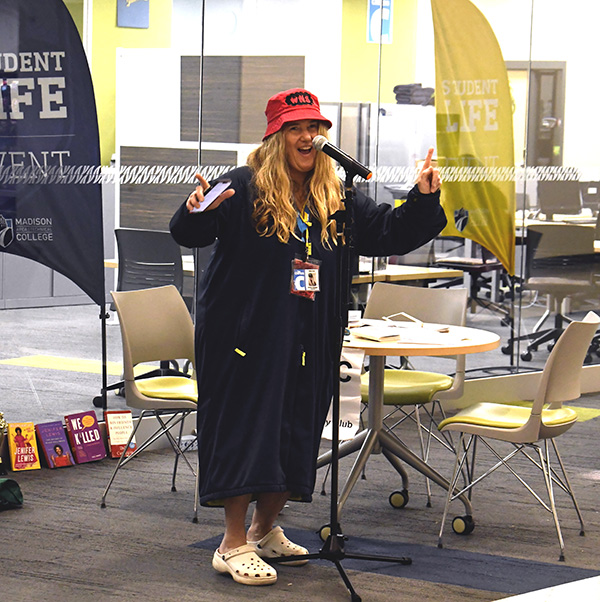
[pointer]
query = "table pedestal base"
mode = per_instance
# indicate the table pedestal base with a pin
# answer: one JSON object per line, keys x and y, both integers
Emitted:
{"x": 375, "y": 439}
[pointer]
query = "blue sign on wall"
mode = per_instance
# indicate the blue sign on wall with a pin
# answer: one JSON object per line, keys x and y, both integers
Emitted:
{"x": 379, "y": 21}
{"x": 133, "y": 13}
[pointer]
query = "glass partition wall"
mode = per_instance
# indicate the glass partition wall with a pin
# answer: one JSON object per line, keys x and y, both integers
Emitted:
{"x": 376, "y": 66}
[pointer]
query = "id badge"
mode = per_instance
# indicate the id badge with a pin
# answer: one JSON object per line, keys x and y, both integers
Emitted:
{"x": 305, "y": 278}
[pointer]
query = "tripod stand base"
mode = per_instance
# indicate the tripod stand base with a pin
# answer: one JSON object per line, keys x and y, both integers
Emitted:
{"x": 333, "y": 551}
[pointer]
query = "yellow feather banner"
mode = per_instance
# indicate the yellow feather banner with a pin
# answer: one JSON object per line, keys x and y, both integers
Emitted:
{"x": 474, "y": 129}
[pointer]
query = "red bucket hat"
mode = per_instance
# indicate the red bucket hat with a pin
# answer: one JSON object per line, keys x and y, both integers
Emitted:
{"x": 292, "y": 105}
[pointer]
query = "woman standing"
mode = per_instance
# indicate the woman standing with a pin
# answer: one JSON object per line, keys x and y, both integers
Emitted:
{"x": 266, "y": 341}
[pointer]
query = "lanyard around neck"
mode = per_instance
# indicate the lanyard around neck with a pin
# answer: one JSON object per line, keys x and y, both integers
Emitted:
{"x": 303, "y": 221}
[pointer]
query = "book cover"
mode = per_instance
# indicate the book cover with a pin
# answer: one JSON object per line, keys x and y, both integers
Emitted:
{"x": 85, "y": 437}
{"x": 22, "y": 446}
{"x": 119, "y": 424}
{"x": 53, "y": 443}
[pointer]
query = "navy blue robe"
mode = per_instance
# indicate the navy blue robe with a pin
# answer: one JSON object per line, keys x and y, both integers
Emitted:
{"x": 265, "y": 358}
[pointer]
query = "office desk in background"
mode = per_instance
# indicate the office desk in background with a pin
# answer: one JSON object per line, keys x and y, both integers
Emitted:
{"x": 393, "y": 273}
{"x": 403, "y": 273}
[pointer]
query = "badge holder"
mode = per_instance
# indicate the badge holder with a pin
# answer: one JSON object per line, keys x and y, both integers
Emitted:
{"x": 305, "y": 277}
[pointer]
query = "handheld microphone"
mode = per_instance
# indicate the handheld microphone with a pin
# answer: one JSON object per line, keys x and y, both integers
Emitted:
{"x": 346, "y": 161}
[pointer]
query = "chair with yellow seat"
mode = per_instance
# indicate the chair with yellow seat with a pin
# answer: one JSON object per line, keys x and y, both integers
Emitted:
{"x": 156, "y": 326}
{"x": 410, "y": 392}
{"x": 528, "y": 428}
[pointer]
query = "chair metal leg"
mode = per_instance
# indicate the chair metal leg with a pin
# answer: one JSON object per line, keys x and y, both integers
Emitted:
{"x": 562, "y": 482}
{"x": 545, "y": 315}
{"x": 164, "y": 428}
{"x": 551, "y": 478}
{"x": 424, "y": 453}
{"x": 177, "y": 418}
{"x": 568, "y": 488}
{"x": 402, "y": 452}
{"x": 445, "y": 439}
{"x": 458, "y": 466}
{"x": 121, "y": 461}
{"x": 545, "y": 462}
{"x": 196, "y": 491}
{"x": 173, "y": 488}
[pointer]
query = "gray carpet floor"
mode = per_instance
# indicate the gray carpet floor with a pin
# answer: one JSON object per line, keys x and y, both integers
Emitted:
{"x": 62, "y": 546}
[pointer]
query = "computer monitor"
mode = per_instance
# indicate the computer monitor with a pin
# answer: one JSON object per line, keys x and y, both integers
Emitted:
{"x": 560, "y": 196}
{"x": 590, "y": 192}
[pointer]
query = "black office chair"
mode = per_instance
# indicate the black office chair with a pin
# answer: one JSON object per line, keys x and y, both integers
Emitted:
{"x": 560, "y": 264}
{"x": 148, "y": 259}
{"x": 478, "y": 267}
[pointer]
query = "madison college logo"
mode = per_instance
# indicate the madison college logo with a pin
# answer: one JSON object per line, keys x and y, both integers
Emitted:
{"x": 6, "y": 231}
{"x": 299, "y": 98}
{"x": 461, "y": 219}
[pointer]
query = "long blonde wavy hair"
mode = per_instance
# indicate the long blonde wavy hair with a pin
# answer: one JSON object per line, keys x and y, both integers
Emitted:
{"x": 274, "y": 210}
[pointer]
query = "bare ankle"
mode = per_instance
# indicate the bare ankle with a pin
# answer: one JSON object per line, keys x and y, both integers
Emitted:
{"x": 230, "y": 543}
{"x": 256, "y": 534}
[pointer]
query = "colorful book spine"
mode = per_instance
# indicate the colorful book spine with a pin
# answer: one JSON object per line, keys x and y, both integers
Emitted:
{"x": 22, "y": 446}
{"x": 119, "y": 426}
{"x": 53, "y": 443}
{"x": 85, "y": 437}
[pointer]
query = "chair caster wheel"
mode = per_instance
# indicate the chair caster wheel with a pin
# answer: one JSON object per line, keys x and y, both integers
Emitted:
{"x": 526, "y": 356}
{"x": 463, "y": 525}
{"x": 98, "y": 402}
{"x": 324, "y": 532}
{"x": 398, "y": 499}
{"x": 506, "y": 350}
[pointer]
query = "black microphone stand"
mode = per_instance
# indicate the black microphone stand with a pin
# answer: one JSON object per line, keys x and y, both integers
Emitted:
{"x": 333, "y": 548}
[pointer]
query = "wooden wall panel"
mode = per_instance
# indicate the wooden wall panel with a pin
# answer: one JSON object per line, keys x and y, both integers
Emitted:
{"x": 236, "y": 90}
{"x": 220, "y": 102}
{"x": 263, "y": 76}
{"x": 152, "y": 205}
{"x": 189, "y": 98}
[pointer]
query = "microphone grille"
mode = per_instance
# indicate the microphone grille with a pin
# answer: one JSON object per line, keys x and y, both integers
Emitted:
{"x": 319, "y": 142}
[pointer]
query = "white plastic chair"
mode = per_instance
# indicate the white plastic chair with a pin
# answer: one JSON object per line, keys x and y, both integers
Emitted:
{"x": 156, "y": 326}
{"x": 526, "y": 428}
{"x": 409, "y": 391}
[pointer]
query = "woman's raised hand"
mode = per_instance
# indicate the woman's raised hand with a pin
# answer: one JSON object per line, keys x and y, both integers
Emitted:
{"x": 428, "y": 179}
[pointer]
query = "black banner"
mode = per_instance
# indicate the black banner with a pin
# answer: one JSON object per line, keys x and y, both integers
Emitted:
{"x": 50, "y": 191}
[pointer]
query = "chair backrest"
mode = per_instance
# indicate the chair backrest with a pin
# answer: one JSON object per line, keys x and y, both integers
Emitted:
{"x": 155, "y": 325}
{"x": 438, "y": 305}
{"x": 561, "y": 250}
{"x": 147, "y": 258}
{"x": 487, "y": 256}
{"x": 563, "y": 240}
{"x": 559, "y": 196}
{"x": 561, "y": 378}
